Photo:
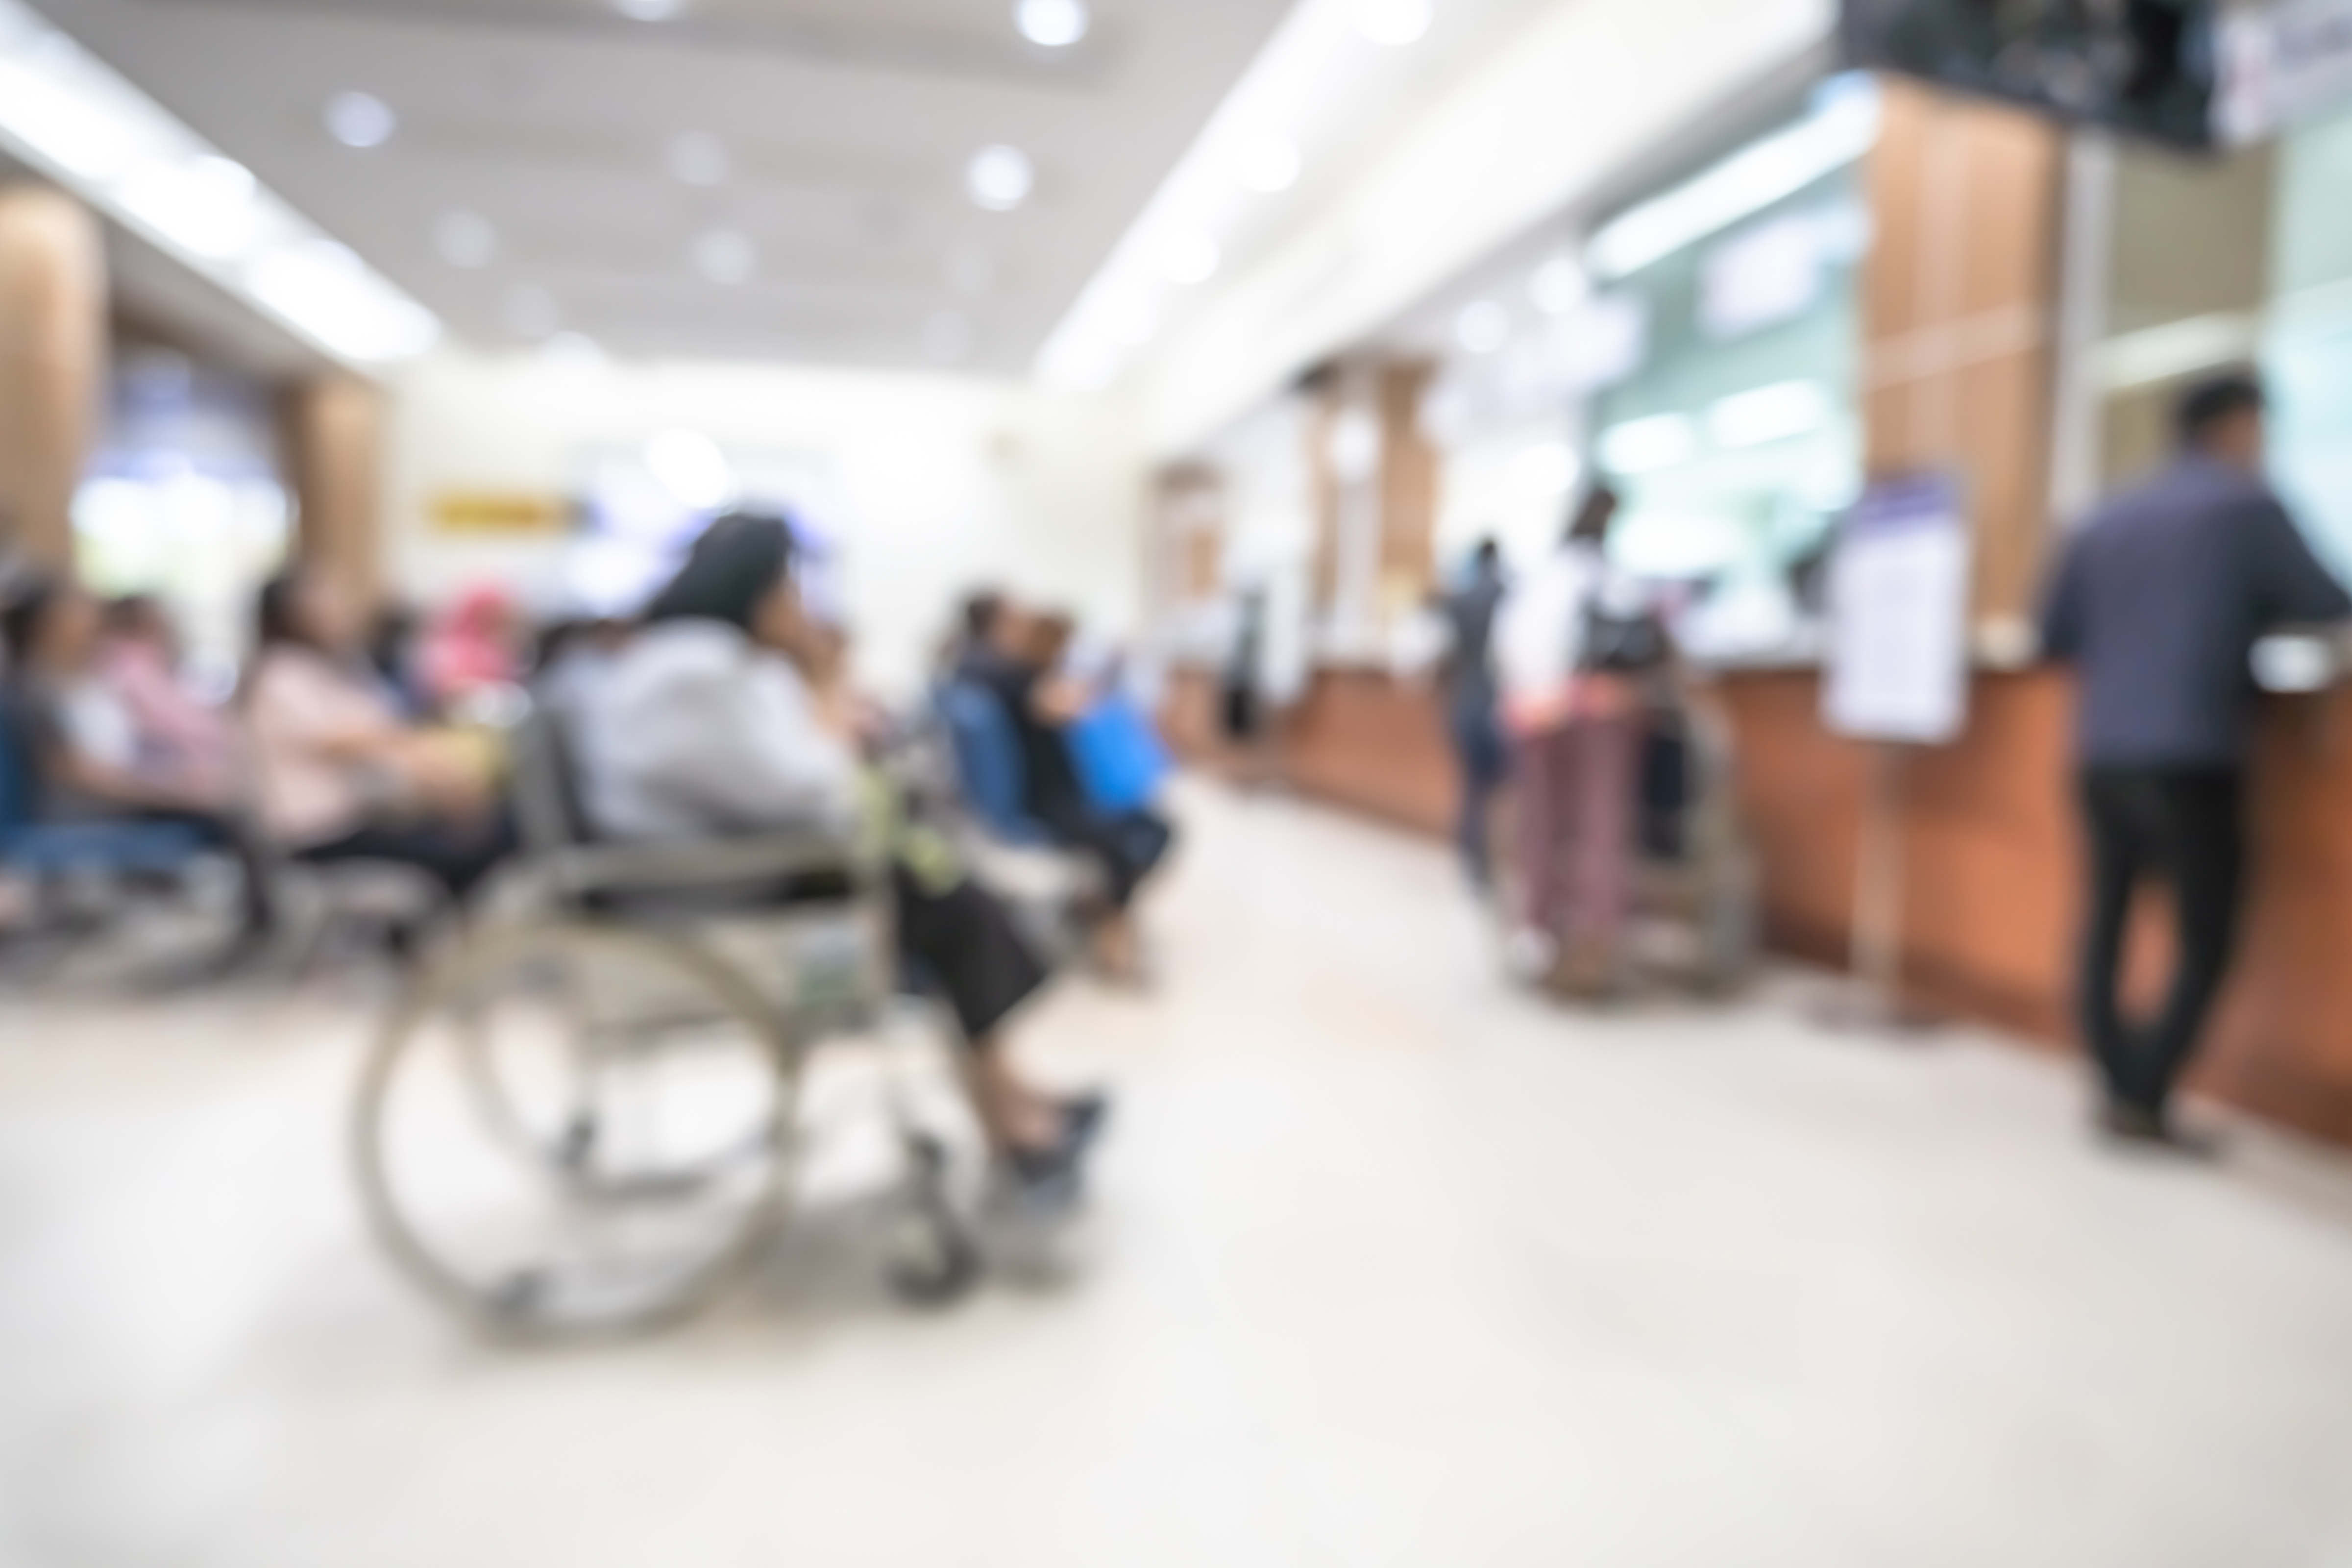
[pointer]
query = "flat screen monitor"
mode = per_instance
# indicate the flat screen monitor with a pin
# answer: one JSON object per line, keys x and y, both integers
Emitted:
{"x": 2144, "y": 68}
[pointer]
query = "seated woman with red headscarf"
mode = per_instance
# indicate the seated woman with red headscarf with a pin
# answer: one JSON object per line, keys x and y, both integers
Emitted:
{"x": 474, "y": 646}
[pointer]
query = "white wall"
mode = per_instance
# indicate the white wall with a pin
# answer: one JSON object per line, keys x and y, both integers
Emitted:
{"x": 1586, "y": 88}
{"x": 944, "y": 483}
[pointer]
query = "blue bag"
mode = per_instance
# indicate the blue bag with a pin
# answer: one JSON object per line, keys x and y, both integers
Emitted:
{"x": 1120, "y": 756}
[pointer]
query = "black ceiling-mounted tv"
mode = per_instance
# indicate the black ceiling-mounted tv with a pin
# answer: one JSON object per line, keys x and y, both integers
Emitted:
{"x": 2145, "y": 67}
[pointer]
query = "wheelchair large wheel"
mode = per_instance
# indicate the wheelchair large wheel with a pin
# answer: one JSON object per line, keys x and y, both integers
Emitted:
{"x": 572, "y": 1129}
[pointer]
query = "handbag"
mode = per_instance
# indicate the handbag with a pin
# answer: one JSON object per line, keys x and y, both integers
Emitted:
{"x": 1618, "y": 644}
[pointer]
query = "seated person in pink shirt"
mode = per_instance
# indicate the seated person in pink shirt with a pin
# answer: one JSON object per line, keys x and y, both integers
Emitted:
{"x": 339, "y": 774}
{"x": 183, "y": 744}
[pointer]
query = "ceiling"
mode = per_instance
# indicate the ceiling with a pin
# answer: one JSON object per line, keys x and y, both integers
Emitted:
{"x": 846, "y": 126}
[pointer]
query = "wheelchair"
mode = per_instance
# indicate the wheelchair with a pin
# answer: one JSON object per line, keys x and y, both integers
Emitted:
{"x": 584, "y": 1119}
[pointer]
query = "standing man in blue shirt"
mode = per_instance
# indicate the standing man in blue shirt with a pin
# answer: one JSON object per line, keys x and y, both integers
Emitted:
{"x": 2158, "y": 604}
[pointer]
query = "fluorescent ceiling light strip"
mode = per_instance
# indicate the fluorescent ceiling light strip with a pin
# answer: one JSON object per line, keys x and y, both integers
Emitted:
{"x": 67, "y": 114}
{"x": 1835, "y": 134}
{"x": 1307, "y": 61}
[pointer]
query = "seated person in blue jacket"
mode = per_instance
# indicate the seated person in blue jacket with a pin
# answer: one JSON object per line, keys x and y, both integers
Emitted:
{"x": 724, "y": 716}
{"x": 80, "y": 742}
{"x": 1023, "y": 665}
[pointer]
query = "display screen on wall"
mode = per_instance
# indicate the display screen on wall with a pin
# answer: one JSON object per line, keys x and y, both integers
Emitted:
{"x": 2142, "y": 67}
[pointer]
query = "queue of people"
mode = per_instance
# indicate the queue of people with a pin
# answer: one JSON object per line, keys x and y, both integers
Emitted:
{"x": 2155, "y": 603}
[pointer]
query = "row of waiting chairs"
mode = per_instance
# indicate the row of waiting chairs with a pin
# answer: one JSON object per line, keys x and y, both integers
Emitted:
{"x": 81, "y": 880}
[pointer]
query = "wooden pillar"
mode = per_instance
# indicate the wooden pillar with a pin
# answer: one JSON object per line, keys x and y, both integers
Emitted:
{"x": 1185, "y": 565}
{"x": 335, "y": 450}
{"x": 53, "y": 346}
{"x": 1959, "y": 319}
{"x": 1375, "y": 495}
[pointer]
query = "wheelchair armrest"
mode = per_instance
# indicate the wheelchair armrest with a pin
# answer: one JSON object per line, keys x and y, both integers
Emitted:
{"x": 691, "y": 864}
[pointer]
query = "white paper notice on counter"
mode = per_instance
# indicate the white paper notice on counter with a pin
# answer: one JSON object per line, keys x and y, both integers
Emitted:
{"x": 1898, "y": 611}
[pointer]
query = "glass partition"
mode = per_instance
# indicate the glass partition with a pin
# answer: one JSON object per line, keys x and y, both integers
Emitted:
{"x": 1736, "y": 438}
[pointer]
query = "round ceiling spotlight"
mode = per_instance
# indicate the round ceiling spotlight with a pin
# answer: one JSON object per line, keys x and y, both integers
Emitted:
{"x": 1482, "y": 327}
{"x": 1051, "y": 24}
{"x": 724, "y": 256}
{"x": 361, "y": 119}
{"x": 971, "y": 270}
{"x": 572, "y": 351}
{"x": 1268, "y": 165}
{"x": 649, "y": 10}
{"x": 1393, "y": 22}
{"x": 465, "y": 240}
{"x": 1133, "y": 323}
{"x": 698, "y": 158}
{"x": 692, "y": 468}
{"x": 948, "y": 338}
{"x": 1189, "y": 257}
{"x": 1558, "y": 286}
{"x": 531, "y": 311}
{"x": 999, "y": 178}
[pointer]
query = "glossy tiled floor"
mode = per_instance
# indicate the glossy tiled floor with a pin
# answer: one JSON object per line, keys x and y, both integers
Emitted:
{"x": 1388, "y": 1266}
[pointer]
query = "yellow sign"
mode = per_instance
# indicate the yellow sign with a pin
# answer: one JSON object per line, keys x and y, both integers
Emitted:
{"x": 501, "y": 513}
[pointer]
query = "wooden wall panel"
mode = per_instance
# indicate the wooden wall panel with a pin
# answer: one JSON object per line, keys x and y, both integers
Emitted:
{"x": 1992, "y": 856}
{"x": 335, "y": 437}
{"x": 53, "y": 352}
{"x": 1958, "y": 302}
{"x": 1408, "y": 489}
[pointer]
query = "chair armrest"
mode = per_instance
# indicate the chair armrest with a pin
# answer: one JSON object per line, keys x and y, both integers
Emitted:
{"x": 687, "y": 865}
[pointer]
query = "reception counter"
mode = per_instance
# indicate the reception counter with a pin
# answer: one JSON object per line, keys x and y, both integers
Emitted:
{"x": 1991, "y": 855}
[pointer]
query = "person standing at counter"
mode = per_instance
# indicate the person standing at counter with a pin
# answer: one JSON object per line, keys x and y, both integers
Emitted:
{"x": 1565, "y": 647}
{"x": 1467, "y": 679}
{"x": 2157, "y": 604}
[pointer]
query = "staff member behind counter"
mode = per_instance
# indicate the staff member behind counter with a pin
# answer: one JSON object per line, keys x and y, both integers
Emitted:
{"x": 2158, "y": 604}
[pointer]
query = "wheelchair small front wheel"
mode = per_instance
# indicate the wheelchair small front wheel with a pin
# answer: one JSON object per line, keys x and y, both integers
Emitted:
{"x": 571, "y": 1128}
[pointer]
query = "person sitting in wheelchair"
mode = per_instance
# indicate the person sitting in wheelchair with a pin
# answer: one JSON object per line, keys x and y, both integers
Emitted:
{"x": 725, "y": 716}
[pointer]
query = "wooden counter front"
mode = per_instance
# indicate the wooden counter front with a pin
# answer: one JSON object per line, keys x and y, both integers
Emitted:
{"x": 1992, "y": 856}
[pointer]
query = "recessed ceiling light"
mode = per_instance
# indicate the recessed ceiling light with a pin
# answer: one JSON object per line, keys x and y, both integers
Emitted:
{"x": 999, "y": 178}
{"x": 361, "y": 119}
{"x": 1133, "y": 323}
{"x": 206, "y": 204}
{"x": 724, "y": 256}
{"x": 465, "y": 240}
{"x": 1482, "y": 327}
{"x": 698, "y": 158}
{"x": 971, "y": 270}
{"x": 649, "y": 10}
{"x": 693, "y": 467}
{"x": 575, "y": 351}
{"x": 1267, "y": 164}
{"x": 1546, "y": 470}
{"x": 1558, "y": 286}
{"x": 531, "y": 311}
{"x": 1051, "y": 24}
{"x": 1189, "y": 258}
{"x": 1393, "y": 22}
{"x": 948, "y": 338}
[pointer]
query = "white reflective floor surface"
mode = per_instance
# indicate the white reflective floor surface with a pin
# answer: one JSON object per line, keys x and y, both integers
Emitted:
{"x": 1387, "y": 1265}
